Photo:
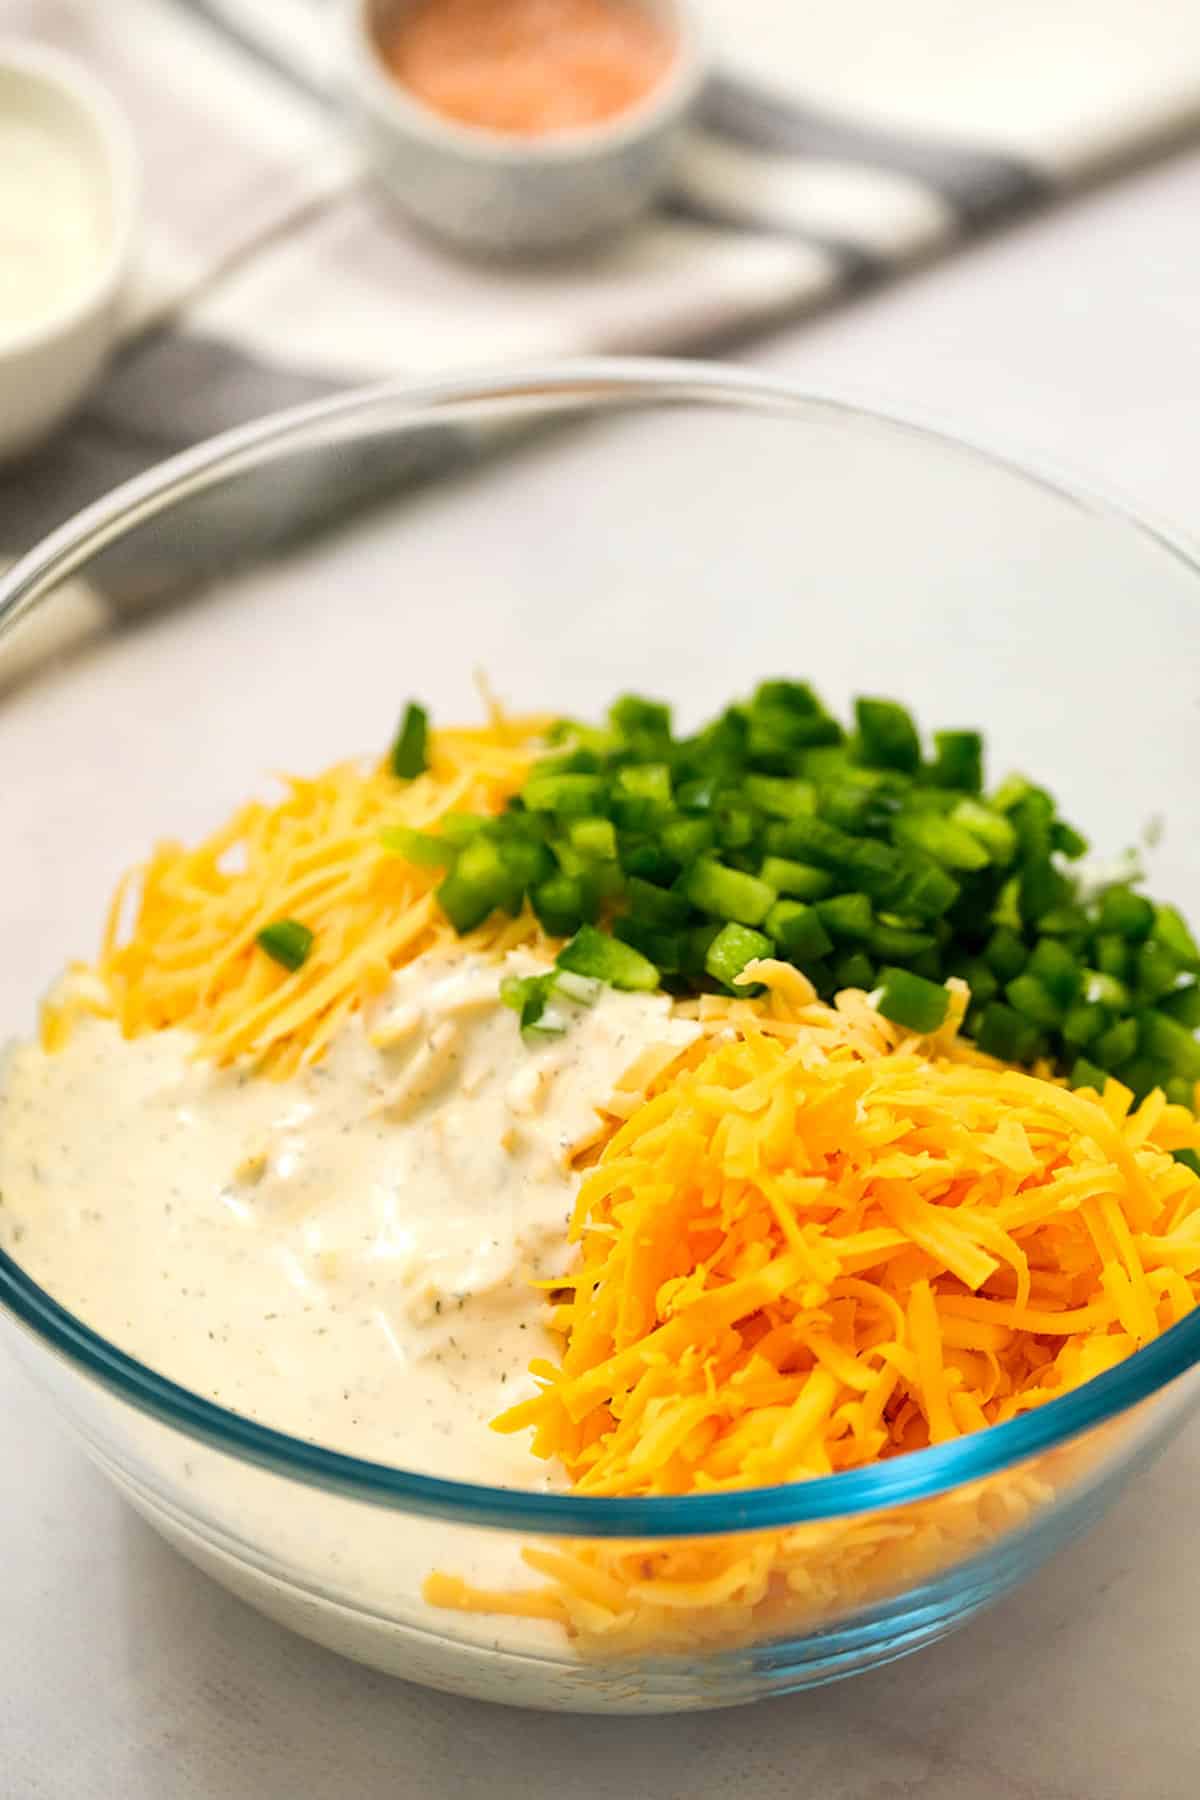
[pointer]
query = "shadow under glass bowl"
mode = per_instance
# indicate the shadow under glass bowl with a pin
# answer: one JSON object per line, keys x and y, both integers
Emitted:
{"x": 705, "y": 530}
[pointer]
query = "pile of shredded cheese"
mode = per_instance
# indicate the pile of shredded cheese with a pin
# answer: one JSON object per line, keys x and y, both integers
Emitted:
{"x": 187, "y": 957}
{"x": 814, "y": 1244}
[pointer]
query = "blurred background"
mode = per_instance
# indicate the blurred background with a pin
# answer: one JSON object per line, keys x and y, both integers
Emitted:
{"x": 288, "y": 196}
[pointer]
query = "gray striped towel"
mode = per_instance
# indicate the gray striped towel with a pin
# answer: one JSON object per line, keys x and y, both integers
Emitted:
{"x": 836, "y": 145}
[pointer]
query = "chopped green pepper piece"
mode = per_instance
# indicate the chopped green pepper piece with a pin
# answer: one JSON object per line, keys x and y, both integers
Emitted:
{"x": 1116, "y": 1045}
{"x": 911, "y": 1001}
{"x": 1084, "y": 1022}
{"x": 409, "y": 753}
{"x": 895, "y": 943}
{"x": 459, "y": 828}
{"x": 1041, "y": 889}
{"x": 1085, "y": 1074}
{"x": 1105, "y": 990}
{"x": 807, "y": 840}
{"x": 1006, "y": 913}
{"x": 727, "y": 893}
{"x": 516, "y": 989}
{"x": 779, "y": 797}
{"x": 993, "y": 829}
{"x": 733, "y": 947}
{"x": 854, "y": 970}
{"x": 981, "y": 980}
{"x": 1172, "y": 933}
{"x": 1143, "y": 1075}
{"x": 569, "y": 859}
{"x": 1057, "y": 969}
{"x": 1156, "y": 970}
{"x": 534, "y": 1024}
{"x": 1183, "y": 1005}
{"x": 844, "y": 854}
{"x": 645, "y": 856}
{"x": 798, "y": 931}
{"x": 1130, "y": 915}
{"x": 846, "y": 915}
{"x": 602, "y": 880}
{"x": 736, "y": 827}
{"x": 527, "y": 861}
{"x": 700, "y": 795}
{"x": 1005, "y": 954}
{"x": 464, "y": 905}
{"x": 878, "y": 870}
{"x": 666, "y": 949}
{"x": 913, "y": 799}
{"x": 823, "y": 977}
{"x": 928, "y": 963}
{"x": 569, "y": 796}
{"x": 829, "y": 762}
{"x": 1068, "y": 921}
{"x": 925, "y": 890}
{"x": 775, "y": 735}
{"x": 1007, "y": 1035}
{"x": 1067, "y": 841}
{"x": 287, "y": 942}
{"x": 632, "y": 717}
{"x": 1033, "y": 818}
{"x": 418, "y": 847}
{"x": 592, "y": 952}
{"x": 656, "y": 905}
{"x": 581, "y": 759}
{"x": 478, "y": 883}
{"x": 650, "y": 782}
{"x": 696, "y": 943}
{"x": 528, "y": 996}
{"x": 887, "y": 736}
{"x": 686, "y": 839}
{"x": 856, "y": 809}
{"x": 947, "y": 843}
{"x": 1160, "y": 1036}
{"x": 958, "y": 762}
{"x": 1112, "y": 955}
{"x": 801, "y": 881}
{"x": 560, "y": 904}
{"x": 722, "y": 742}
{"x": 594, "y": 838}
{"x": 1011, "y": 792}
{"x": 1033, "y": 999}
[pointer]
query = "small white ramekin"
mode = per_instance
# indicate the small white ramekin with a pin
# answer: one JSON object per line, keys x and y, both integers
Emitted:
{"x": 47, "y": 366}
{"x": 501, "y": 195}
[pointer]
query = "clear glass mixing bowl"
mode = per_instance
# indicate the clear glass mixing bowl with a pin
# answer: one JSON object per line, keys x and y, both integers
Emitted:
{"x": 704, "y": 529}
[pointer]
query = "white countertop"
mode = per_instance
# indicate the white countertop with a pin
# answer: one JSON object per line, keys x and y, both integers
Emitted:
{"x": 127, "y": 1674}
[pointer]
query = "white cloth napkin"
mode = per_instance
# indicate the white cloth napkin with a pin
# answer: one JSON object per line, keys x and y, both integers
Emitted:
{"x": 837, "y": 145}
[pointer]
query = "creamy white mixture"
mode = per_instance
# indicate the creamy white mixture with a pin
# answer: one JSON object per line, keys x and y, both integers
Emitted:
{"x": 52, "y": 235}
{"x": 346, "y": 1256}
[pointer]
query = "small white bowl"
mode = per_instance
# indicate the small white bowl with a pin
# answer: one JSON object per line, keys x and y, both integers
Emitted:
{"x": 50, "y": 358}
{"x": 499, "y": 194}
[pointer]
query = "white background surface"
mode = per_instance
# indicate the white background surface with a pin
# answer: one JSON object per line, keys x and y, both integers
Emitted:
{"x": 126, "y": 1674}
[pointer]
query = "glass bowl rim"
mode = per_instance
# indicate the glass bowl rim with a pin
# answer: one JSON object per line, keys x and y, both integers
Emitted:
{"x": 919, "y": 1475}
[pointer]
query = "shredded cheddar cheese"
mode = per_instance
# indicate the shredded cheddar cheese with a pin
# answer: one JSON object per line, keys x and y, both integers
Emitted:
{"x": 188, "y": 955}
{"x": 814, "y": 1244}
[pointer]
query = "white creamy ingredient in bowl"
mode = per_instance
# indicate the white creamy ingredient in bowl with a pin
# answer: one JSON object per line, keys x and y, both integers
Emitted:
{"x": 52, "y": 233}
{"x": 346, "y": 1256}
